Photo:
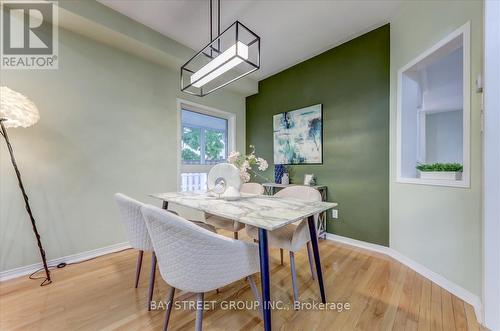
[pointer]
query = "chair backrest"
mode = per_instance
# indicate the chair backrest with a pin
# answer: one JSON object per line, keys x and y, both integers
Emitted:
{"x": 252, "y": 188}
{"x": 135, "y": 227}
{"x": 194, "y": 259}
{"x": 308, "y": 194}
{"x": 300, "y": 192}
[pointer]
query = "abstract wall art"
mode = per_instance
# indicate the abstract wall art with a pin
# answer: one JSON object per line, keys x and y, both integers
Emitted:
{"x": 298, "y": 136}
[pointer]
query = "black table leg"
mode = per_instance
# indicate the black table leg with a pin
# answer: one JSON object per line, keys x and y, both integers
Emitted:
{"x": 165, "y": 204}
{"x": 264, "y": 278}
{"x": 314, "y": 242}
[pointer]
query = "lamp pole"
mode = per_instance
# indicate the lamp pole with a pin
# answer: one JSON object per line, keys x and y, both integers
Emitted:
{"x": 28, "y": 208}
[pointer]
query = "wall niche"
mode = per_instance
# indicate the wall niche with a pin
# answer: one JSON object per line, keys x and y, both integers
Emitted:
{"x": 433, "y": 114}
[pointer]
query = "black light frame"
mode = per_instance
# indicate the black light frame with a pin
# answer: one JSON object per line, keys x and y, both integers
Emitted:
{"x": 255, "y": 66}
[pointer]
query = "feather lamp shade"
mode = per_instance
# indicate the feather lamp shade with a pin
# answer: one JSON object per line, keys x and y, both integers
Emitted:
{"x": 17, "y": 109}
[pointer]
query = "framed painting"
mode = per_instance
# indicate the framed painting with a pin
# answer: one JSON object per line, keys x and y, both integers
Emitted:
{"x": 298, "y": 136}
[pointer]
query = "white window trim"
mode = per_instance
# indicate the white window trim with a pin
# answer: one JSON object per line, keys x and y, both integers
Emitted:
{"x": 202, "y": 109}
{"x": 465, "y": 182}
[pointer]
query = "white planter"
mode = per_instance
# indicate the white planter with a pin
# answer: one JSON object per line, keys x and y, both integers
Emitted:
{"x": 442, "y": 175}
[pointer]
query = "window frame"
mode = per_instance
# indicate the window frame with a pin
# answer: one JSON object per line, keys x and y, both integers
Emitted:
{"x": 203, "y": 130}
{"x": 464, "y": 30}
{"x": 205, "y": 110}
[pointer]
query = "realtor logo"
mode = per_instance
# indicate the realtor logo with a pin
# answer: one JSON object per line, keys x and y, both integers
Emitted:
{"x": 29, "y": 37}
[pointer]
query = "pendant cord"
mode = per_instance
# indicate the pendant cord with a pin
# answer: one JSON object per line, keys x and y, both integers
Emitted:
{"x": 28, "y": 208}
{"x": 218, "y": 25}
{"x": 210, "y": 23}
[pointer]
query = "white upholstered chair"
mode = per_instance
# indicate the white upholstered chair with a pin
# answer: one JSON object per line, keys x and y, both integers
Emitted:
{"x": 293, "y": 236}
{"x": 195, "y": 260}
{"x": 230, "y": 225}
{"x": 137, "y": 235}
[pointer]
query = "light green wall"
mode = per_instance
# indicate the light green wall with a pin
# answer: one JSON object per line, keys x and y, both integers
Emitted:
{"x": 352, "y": 83}
{"x": 108, "y": 124}
{"x": 439, "y": 227}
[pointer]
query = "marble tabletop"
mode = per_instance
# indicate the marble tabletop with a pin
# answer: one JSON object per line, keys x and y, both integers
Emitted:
{"x": 262, "y": 211}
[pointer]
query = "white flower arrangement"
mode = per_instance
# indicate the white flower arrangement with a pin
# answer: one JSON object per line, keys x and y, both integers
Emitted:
{"x": 246, "y": 162}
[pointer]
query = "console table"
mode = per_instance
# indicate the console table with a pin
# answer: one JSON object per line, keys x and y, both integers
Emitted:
{"x": 272, "y": 188}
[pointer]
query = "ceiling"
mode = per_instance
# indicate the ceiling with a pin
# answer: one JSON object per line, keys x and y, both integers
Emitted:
{"x": 291, "y": 31}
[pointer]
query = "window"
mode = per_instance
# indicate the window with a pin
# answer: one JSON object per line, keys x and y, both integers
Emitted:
{"x": 205, "y": 139}
{"x": 433, "y": 113}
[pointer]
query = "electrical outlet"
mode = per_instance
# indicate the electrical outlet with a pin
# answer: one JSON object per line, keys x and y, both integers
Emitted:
{"x": 335, "y": 213}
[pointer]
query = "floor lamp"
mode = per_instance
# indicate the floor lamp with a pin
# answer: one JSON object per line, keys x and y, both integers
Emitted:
{"x": 16, "y": 110}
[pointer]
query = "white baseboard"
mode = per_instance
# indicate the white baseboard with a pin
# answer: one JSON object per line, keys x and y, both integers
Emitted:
{"x": 26, "y": 270}
{"x": 448, "y": 285}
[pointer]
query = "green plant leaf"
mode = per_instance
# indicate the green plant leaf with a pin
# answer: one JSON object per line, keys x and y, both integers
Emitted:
{"x": 455, "y": 167}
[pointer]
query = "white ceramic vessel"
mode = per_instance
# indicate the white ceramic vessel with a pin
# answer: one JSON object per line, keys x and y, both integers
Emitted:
{"x": 226, "y": 173}
{"x": 231, "y": 194}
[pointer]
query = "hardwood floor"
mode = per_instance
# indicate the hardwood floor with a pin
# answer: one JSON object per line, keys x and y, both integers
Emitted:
{"x": 100, "y": 295}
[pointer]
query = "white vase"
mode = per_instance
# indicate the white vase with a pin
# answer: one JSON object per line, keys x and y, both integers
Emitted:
{"x": 231, "y": 193}
{"x": 285, "y": 180}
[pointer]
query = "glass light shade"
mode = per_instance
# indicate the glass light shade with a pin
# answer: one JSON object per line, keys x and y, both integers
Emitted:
{"x": 231, "y": 55}
{"x": 17, "y": 109}
{"x": 229, "y": 59}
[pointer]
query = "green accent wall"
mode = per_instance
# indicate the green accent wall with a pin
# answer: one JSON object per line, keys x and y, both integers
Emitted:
{"x": 352, "y": 83}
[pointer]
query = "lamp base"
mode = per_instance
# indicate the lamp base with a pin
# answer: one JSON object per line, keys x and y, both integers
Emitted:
{"x": 47, "y": 280}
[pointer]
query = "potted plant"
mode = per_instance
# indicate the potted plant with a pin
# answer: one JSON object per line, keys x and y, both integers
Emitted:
{"x": 447, "y": 171}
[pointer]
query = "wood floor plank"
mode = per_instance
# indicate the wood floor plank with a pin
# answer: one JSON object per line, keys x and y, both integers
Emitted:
{"x": 100, "y": 295}
{"x": 436, "y": 308}
{"x": 412, "y": 315}
{"x": 447, "y": 307}
{"x": 459, "y": 313}
{"x": 405, "y": 300}
{"x": 424, "y": 317}
{"x": 368, "y": 288}
{"x": 472, "y": 324}
{"x": 380, "y": 313}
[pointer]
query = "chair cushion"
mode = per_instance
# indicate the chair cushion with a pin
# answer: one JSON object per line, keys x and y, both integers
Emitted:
{"x": 224, "y": 223}
{"x": 282, "y": 237}
{"x": 205, "y": 226}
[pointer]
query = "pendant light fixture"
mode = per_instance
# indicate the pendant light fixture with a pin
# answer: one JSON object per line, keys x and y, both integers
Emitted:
{"x": 229, "y": 56}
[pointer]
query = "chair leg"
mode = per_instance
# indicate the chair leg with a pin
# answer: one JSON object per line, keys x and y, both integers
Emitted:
{"x": 152, "y": 279}
{"x": 310, "y": 256}
{"x": 138, "y": 268}
{"x": 199, "y": 312}
{"x": 235, "y": 234}
{"x": 255, "y": 292}
{"x": 170, "y": 303}
{"x": 281, "y": 255}
{"x": 294, "y": 278}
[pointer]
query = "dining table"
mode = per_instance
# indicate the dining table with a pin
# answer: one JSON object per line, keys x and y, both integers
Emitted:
{"x": 267, "y": 213}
